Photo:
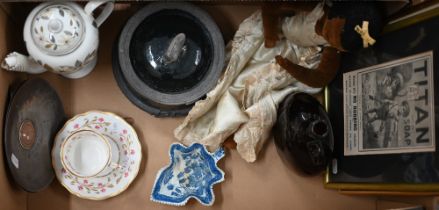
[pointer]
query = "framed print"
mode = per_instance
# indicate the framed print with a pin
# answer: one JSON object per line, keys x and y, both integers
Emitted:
{"x": 389, "y": 107}
{"x": 406, "y": 168}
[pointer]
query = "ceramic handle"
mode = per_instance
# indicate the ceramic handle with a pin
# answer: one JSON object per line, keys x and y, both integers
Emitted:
{"x": 92, "y": 5}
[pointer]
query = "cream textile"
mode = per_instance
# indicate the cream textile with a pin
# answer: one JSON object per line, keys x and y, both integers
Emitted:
{"x": 245, "y": 100}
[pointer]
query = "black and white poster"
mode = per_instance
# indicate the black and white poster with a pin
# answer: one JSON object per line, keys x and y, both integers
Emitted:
{"x": 389, "y": 108}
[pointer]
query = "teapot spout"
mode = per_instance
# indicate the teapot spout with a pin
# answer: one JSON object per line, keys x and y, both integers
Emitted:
{"x": 20, "y": 63}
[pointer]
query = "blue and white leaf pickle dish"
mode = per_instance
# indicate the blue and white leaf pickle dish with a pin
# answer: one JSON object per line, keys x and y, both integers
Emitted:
{"x": 192, "y": 172}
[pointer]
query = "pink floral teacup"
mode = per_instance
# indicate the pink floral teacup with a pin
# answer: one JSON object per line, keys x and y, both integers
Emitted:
{"x": 87, "y": 153}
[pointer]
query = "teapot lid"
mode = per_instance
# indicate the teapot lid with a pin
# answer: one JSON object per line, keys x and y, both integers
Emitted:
{"x": 57, "y": 29}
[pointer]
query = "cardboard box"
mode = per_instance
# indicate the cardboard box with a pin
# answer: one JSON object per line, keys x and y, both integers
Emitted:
{"x": 265, "y": 184}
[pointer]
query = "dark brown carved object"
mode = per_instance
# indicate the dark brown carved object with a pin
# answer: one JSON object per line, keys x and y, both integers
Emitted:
{"x": 336, "y": 26}
{"x": 271, "y": 14}
{"x": 270, "y": 23}
{"x": 319, "y": 77}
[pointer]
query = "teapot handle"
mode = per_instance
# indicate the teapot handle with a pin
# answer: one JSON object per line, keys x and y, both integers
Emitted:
{"x": 92, "y": 5}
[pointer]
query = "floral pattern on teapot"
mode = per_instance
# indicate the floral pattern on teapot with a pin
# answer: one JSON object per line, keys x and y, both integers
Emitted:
{"x": 70, "y": 69}
{"x": 61, "y": 37}
{"x": 57, "y": 30}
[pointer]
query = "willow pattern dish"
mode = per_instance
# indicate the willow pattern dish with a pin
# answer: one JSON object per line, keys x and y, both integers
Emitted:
{"x": 192, "y": 172}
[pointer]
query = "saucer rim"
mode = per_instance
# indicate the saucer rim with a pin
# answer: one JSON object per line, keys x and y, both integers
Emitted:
{"x": 137, "y": 169}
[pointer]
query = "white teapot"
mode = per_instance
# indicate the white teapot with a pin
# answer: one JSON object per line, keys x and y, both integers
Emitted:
{"x": 60, "y": 37}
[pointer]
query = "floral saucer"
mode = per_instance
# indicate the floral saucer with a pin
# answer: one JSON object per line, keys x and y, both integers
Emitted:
{"x": 130, "y": 155}
{"x": 191, "y": 174}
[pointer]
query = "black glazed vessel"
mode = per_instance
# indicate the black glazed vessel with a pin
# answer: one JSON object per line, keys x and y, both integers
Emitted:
{"x": 168, "y": 56}
{"x": 303, "y": 133}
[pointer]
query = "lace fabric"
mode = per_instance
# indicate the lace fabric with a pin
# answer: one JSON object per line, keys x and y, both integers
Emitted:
{"x": 245, "y": 100}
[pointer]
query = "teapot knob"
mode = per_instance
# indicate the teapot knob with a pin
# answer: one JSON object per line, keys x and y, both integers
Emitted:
{"x": 55, "y": 26}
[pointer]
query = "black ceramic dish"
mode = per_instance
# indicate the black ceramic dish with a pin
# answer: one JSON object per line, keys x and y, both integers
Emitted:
{"x": 159, "y": 110}
{"x": 140, "y": 63}
{"x": 303, "y": 133}
{"x": 33, "y": 117}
